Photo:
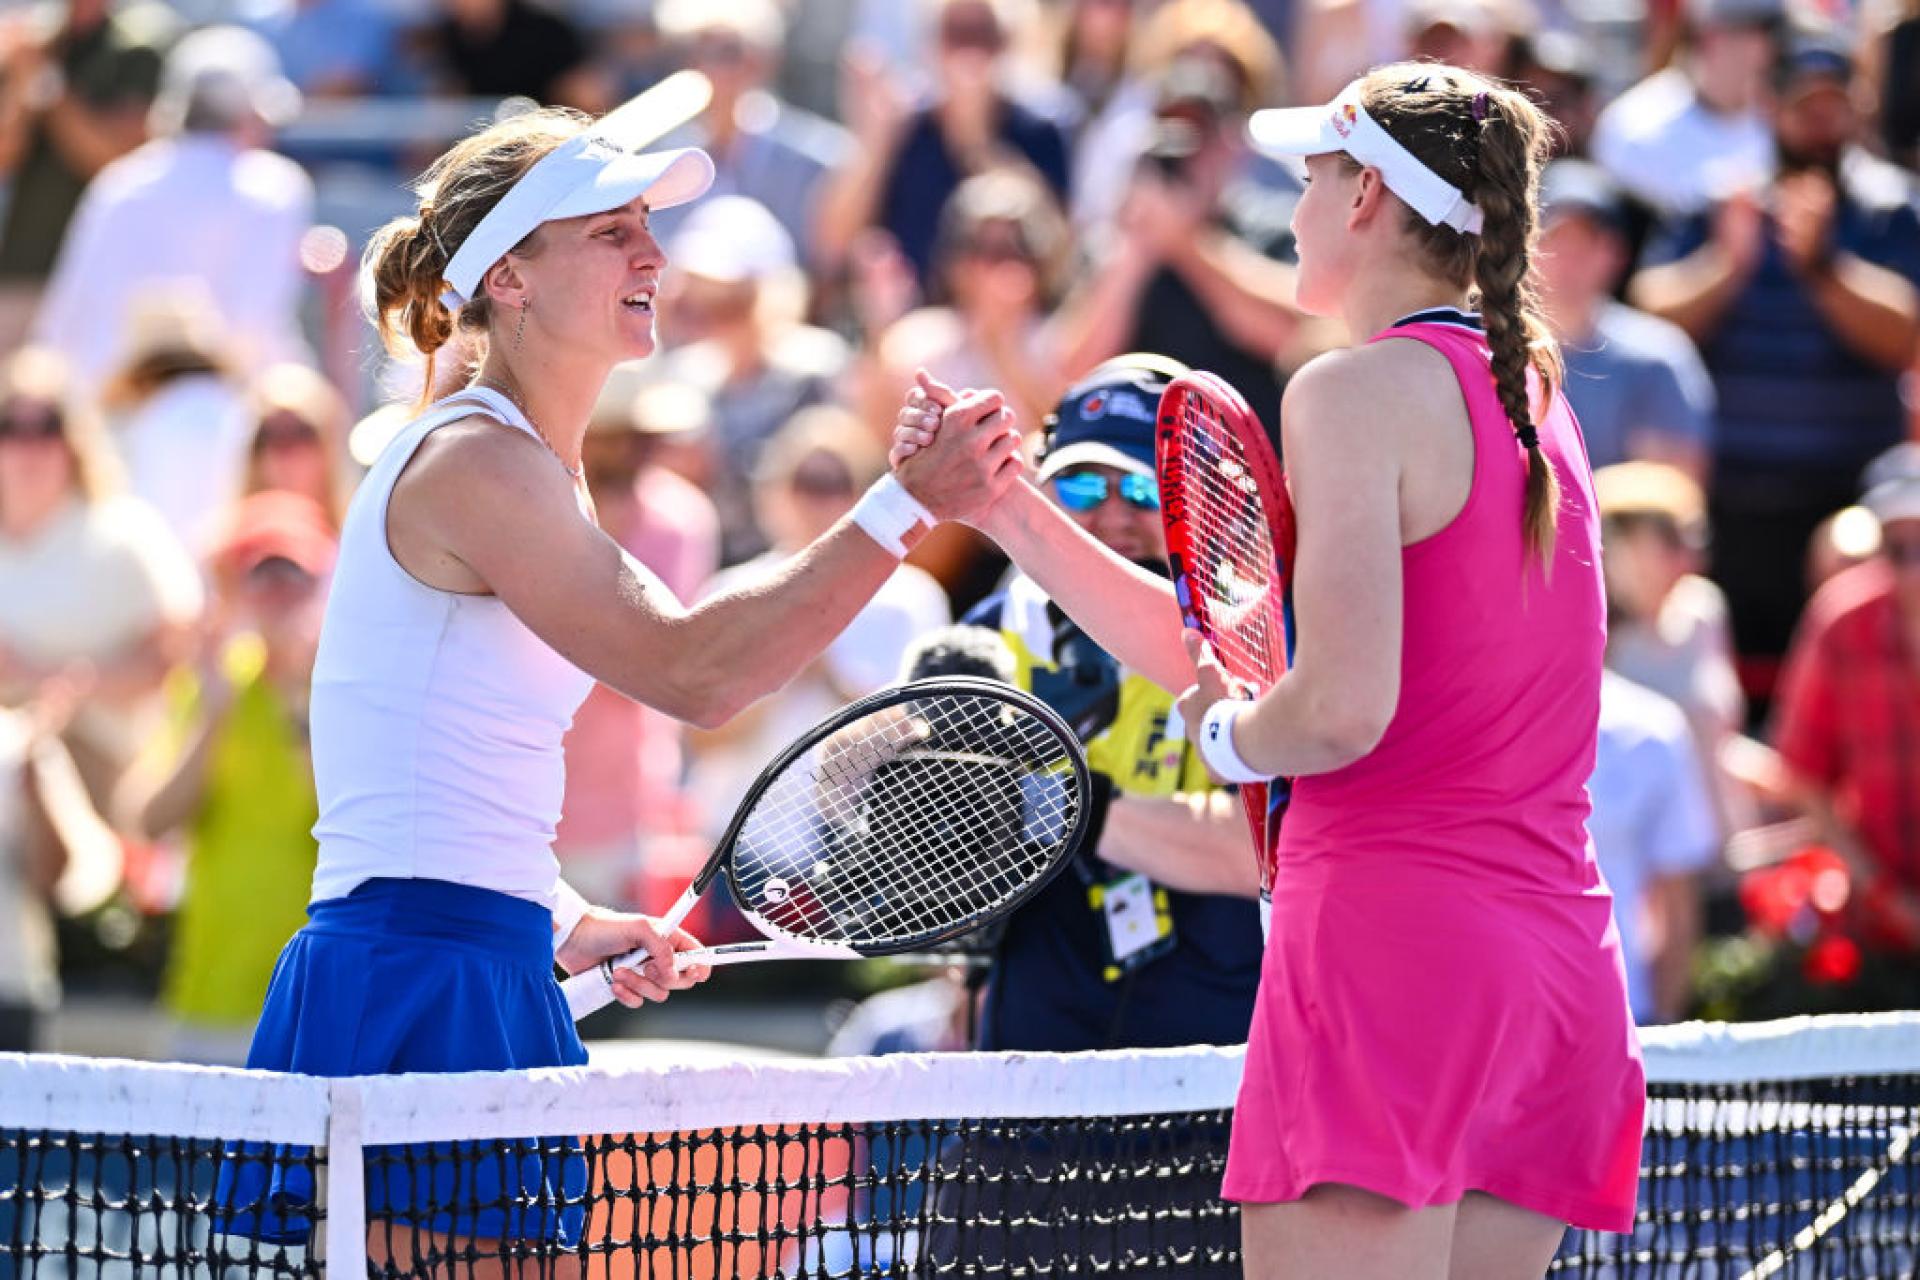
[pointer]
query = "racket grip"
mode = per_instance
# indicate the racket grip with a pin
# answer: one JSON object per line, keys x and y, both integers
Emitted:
{"x": 591, "y": 990}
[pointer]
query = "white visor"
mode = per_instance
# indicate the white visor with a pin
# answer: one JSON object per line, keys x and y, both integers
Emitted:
{"x": 601, "y": 169}
{"x": 1344, "y": 125}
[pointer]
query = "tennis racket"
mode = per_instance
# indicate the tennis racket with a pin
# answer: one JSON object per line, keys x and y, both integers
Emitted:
{"x": 1230, "y": 544}
{"x": 905, "y": 819}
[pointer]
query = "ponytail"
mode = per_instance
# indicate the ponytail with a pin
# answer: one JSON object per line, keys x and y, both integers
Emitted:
{"x": 1510, "y": 146}
{"x": 1489, "y": 142}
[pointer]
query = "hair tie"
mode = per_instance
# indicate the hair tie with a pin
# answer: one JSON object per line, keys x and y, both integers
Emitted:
{"x": 1528, "y": 437}
{"x": 1480, "y": 106}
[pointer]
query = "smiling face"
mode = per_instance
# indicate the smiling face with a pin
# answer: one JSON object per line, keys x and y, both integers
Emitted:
{"x": 587, "y": 284}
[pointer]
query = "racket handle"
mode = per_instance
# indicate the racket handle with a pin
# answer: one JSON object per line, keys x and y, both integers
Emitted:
{"x": 591, "y": 990}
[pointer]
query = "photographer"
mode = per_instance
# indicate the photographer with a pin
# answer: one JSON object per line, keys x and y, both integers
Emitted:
{"x": 1196, "y": 263}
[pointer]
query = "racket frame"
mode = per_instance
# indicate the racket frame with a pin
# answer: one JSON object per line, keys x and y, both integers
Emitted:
{"x": 1172, "y": 460}
{"x": 592, "y": 988}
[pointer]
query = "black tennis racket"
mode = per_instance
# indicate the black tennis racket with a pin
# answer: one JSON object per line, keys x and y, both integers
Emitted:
{"x": 906, "y": 819}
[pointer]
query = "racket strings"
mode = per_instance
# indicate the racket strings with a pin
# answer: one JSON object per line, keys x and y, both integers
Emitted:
{"x": 909, "y": 823}
{"x": 1235, "y": 543}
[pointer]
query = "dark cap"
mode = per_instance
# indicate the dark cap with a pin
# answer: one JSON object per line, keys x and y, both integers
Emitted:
{"x": 1107, "y": 419}
{"x": 1579, "y": 186}
{"x": 1811, "y": 54}
{"x": 1736, "y": 13}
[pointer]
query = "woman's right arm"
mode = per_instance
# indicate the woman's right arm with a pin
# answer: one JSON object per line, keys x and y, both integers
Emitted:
{"x": 1129, "y": 612}
{"x": 494, "y": 509}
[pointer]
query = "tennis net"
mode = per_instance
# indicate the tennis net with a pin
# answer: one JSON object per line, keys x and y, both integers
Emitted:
{"x": 1781, "y": 1149}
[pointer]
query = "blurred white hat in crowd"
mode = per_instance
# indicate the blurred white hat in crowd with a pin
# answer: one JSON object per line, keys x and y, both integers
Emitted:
{"x": 219, "y": 77}
{"x": 757, "y": 22}
{"x": 733, "y": 240}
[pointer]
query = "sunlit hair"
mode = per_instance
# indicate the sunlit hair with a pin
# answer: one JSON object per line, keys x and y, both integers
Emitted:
{"x": 297, "y": 390}
{"x": 1018, "y": 198}
{"x": 1228, "y": 26}
{"x": 405, "y": 266}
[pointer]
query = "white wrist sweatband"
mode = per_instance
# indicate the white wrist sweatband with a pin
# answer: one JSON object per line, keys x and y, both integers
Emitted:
{"x": 569, "y": 908}
{"x": 887, "y": 512}
{"x": 1216, "y": 743}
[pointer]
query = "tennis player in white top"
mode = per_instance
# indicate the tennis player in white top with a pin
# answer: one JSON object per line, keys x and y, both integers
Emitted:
{"x": 474, "y": 603}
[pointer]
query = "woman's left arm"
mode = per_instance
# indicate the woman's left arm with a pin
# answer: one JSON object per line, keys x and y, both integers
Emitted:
{"x": 1343, "y": 467}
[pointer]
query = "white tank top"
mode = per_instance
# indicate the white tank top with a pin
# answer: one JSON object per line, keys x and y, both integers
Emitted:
{"x": 437, "y": 717}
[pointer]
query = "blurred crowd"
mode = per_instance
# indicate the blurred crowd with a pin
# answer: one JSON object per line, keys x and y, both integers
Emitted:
{"x": 1006, "y": 193}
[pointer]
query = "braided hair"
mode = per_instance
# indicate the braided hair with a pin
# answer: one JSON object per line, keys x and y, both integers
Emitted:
{"x": 1490, "y": 142}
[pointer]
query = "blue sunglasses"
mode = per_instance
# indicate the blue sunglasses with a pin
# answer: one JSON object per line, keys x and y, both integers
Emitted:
{"x": 1087, "y": 490}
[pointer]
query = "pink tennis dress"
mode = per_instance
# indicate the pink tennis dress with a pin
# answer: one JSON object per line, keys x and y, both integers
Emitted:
{"x": 1442, "y": 1006}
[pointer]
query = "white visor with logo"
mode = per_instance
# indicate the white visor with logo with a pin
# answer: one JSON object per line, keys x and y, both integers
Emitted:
{"x": 1344, "y": 125}
{"x": 604, "y": 168}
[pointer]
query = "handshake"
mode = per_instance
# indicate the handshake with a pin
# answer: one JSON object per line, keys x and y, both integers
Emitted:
{"x": 956, "y": 452}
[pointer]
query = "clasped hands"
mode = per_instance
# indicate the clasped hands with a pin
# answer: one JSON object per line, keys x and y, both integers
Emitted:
{"x": 955, "y": 451}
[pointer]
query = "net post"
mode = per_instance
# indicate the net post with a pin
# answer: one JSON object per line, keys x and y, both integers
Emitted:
{"x": 344, "y": 1238}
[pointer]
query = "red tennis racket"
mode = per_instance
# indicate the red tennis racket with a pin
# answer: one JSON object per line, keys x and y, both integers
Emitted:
{"x": 1230, "y": 543}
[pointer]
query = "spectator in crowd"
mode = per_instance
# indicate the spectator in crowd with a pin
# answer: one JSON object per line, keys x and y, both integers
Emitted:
{"x": 809, "y": 477}
{"x": 1558, "y": 68}
{"x": 1000, "y": 266}
{"x": 1848, "y": 727}
{"x": 1635, "y": 382}
{"x": 929, "y": 1016}
{"x": 1803, "y": 299}
{"x": 1108, "y": 148}
{"x": 89, "y": 581}
{"x": 731, "y": 310}
{"x": 233, "y": 776}
{"x": 1654, "y": 834}
{"x": 1896, "y": 64}
{"x": 762, "y": 148}
{"x": 1096, "y": 61}
{"x": 1164, "y": 840}
{"x": 909, "y": 160}
{"x": 334, "y": 48}
{"x": 1480, "y": 35}
{"x": 202, "y": 203}
{"x": 1691, "y": 133}
{"x": 937, "y": 1015}
{"x": 178, "y": 420}
{"x": 1196, "y": 268}
{"x": 36, "y": 782}
{"x": 511, "y": 49}
{"x": 1667, "y": 625}
{"x": 295, "y": 443}
{"x": 76, "y": 80}
{"x": 624, "y": 762}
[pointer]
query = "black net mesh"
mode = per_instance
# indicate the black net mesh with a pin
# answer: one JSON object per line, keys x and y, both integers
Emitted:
{"x": 1813, "y": 1178}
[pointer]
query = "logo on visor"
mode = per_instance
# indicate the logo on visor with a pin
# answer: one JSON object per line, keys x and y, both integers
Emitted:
{"x": 1344, "y": 119}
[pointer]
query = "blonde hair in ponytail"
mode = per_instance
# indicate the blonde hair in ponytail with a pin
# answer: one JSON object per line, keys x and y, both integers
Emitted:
{"x": 1490, "y": 142}
{"x": 405, "y": 265}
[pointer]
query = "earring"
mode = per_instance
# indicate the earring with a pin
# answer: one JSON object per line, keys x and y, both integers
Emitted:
{"x": 520, "y": 329}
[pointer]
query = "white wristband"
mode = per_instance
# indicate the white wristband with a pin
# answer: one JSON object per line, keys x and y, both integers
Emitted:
{"x": 1216, "y": 743}
{"x": 569, "y": 908}
{"x": 887, "y": 512}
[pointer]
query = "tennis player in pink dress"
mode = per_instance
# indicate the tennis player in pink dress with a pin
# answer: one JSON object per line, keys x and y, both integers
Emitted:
{"x": 1442, "y": 1072}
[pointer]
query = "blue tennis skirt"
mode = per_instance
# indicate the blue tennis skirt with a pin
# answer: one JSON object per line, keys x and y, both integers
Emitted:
{"x": 418, "y": 976}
